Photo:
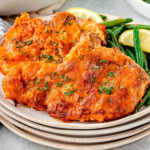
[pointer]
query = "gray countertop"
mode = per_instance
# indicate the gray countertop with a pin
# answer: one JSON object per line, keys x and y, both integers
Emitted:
{"x": 10, "y": 141}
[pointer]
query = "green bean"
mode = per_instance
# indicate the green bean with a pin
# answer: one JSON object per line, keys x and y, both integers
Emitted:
{"x": 131, "y": 26}
{"x": 117, "y": 22}
{"x": 149, "y": 73}
{"x": 114, "y": 39}
{"x": 145, "y": 62}
{"x": 137, "y": 46}
{"x": 117, "y": 31}
{"x": 102, "y": 16}
{"x": 128, "y": 20}
{"x": 147, "y": 103}
{"x": 147, "y": 95}
{"x": 111, "y": 44}
{"x": 131, "y": 54}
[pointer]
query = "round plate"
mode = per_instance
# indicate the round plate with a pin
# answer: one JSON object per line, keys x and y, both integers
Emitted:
{"x": 77, "y": 140}
{"x": 44, "y": 119}
{"x": 65, "y": 146}
{"x": 79, "y": 133}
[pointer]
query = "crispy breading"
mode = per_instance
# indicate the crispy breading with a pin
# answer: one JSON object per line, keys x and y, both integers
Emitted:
{"x": 37, "y": 40}
{"x": 93, "y": 83}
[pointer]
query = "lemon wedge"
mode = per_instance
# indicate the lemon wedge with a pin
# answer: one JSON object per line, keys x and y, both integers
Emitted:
{"x": 85, "y": 14}
{"x": 126, "y": 38}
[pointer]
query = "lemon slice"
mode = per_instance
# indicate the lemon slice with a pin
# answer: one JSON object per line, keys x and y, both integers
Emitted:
{"x": 85, "y": 14}
{"x": 126, "y": 38}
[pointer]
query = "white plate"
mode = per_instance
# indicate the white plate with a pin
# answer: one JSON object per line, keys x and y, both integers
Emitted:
{"x": 141, "y": 7}
{"x": 78, "y": 133}
{"x": 65, "y": 146}
{"x": 77, "y": 140}
{"x": 44, "y": 119}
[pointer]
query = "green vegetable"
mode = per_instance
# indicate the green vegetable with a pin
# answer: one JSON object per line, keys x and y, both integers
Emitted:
{"x": 137, "y": 47}
{"x": 57, "y": 84}
{"x": 147, "y": 1}
{"x": 131, "y": 54}
{"x": 103, "y": 61}
{"x": 71, "y": 92}
{"x": 118, "y": 30}
{"x": 145, "y": 62}
{"x": 149, "y": 73}
{"x": 147, "y": 103}
{"x": 114, "y": 39}
{"x": 111, "y": 74}
{"x": 117, "y": 22}
{"x": 111, "y": 44}
{"x": 54, "y": 74}
{"x": 106, "y": 90}
{"x": 132, "y": 26}
{"x": 102, "y": 16}
{"x": 92, "y": 78}
{"x": 147, "y": 95}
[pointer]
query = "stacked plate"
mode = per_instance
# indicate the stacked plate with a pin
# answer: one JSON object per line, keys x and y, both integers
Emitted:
{"x": 39, "y": 127}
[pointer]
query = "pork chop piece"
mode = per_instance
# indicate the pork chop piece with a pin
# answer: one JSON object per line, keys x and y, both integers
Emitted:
{"x": 94, "y": 83}
{"x": 33, "y": 39}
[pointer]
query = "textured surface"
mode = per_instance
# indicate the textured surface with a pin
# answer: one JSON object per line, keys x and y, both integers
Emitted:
{"x": 115, "y": 7}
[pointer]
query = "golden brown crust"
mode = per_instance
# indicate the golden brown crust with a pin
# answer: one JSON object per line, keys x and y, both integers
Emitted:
{"x": 92, "y": 83}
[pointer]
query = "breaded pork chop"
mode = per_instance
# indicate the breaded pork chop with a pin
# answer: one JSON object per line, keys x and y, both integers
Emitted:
{"x": 49, "y": 41}
{"x": 93, "y": 83}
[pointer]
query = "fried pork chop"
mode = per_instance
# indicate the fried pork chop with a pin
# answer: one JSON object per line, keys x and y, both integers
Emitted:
{"x": 49, "y": 41}
{"x": 93, "y": 83}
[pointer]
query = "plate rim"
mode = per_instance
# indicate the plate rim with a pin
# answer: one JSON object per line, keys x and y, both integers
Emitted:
{"x": 77, "y": 140}
{"x": 55, "y": 144}
{"x": 79, "y": 133}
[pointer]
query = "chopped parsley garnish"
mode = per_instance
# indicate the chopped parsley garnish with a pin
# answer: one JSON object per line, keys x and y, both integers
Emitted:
{"x": 66, "y": 78}
{"x": 105, "y": 90}
{"x": 96, "y": 68}
{"x": 103, "y": 61}
{"x": 57, "y": 48}
{"x": 46, "y": 31}
{"x": 29, "y": 42}
{"x": 82, "y": 29}
{"x": 57, "y": 31}
{"x": 111, "y": 74}
{"x": 46, "y": 86}
{"x": 38, "y": 89}
{"x": 92, "y": 78}
{"x": 54, "y": 74}
{"x": 121, "y": 87}
{"x": 52, "y": 43}
{"x": 5, "y": 58}
{"x": 23, "y": 53}
{"x": 62, "y": 76}
{"x": 111, "y": 101}
{"x": 58, "y": 84}
{"x": 50, "y": 57}
{"x": 16, "y": 42}
{"x": 38, "y": 81}
{"x": 104, "y": 83}
{"x": 12, "y": 39}
{"x": 27, "y": 55}
{"x": 73, "y": 41}
{"x": 70, "y": 85}
{"x": 70, "y": 93}
{"x": 51, "y": 30}
{"x": 69, "y": 23}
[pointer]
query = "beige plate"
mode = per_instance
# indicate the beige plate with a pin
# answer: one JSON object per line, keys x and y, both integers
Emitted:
{"x": 59, "y": 145}
{"x": 44, "y": 119}
{"x": 77, "y": 140}
{"x": 79, "y": 133}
